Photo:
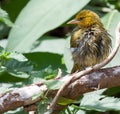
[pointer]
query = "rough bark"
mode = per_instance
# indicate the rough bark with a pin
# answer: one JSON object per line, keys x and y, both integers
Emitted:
{"x": 104, "y": 78}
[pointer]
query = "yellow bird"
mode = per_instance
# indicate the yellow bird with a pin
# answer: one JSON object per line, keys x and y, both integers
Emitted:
{"x": 90, "y": 42}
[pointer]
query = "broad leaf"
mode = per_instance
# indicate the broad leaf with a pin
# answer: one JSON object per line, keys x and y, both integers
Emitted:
{"x": 13, "y": 7}
{"x": 42, "y": 60}
{"x": 3, "y": 43}
{"x": 110, "y": 21}
{"x": 95, "y": 101}
{"x": 38, "y": 17}
{"x": 17, "y": 68}
{"x": 68, "y": 56}
{"x": 14, "y": 64}
{"x": 50, "y": 44}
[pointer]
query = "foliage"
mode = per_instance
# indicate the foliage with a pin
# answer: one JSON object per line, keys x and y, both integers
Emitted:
{"x": 30, "y": 52}
{"x": 5, "y": 23}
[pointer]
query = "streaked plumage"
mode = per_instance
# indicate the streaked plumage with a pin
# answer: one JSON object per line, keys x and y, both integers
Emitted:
{"x": 90, "y": 42}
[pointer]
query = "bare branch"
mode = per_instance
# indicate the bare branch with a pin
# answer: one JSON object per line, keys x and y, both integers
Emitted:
{"x": 106, "y": 78}
{"x": 20, "y": 97}
{"x": 102, "y": 78}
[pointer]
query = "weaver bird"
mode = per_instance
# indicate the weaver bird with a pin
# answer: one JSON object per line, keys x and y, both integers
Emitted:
{"x": 90, "y": 43}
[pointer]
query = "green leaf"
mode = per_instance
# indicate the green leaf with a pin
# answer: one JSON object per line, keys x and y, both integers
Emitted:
{"x": 54, "y": 84}
{"x": 38, "y": 17}
{"x": 13, "y": 7}
{"x": 4, "y": 30}
{"x": 14, "y": 64}
{"x": 17, "y": 111}
{"x": 37, "y": 95}
{"x": 5, "y": 87}
{"x": 3, "y": 43}
{"x": 7, "y": 77}
{"x": 4, "y": 55}
{"x": 50, "y": 77}
{"x": 68, "y": 56}
{"x": 113, "y": 91}
{"x": 110, "y": 21}
{"x": 81, "y": 112}
{"x": 95, "y": 101}
{"x": 17, "y": 68}
{"x": 65, "y": 101}
{"x": 5, "y": 23}
{"x": 73, "y": 109}
{"x": 41, "y": 60}
{"x": 1, "y": 49}
{"x": 4, "y": 18}
{"x": 50, "y": 44}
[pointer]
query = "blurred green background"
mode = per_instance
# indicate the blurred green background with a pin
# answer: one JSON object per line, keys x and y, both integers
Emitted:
{"x": 34, "y": 40}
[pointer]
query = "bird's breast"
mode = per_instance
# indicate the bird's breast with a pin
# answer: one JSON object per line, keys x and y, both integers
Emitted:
{"x": 88, "y": 46}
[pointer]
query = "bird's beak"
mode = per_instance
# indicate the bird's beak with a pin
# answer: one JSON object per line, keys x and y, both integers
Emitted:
{"x": 74, "y": 21}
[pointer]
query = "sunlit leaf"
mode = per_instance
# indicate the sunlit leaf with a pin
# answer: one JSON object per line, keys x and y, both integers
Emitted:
{"x": 50, "y": 44}
{"x": 3, "y": 43}
{"x": 38, "y": 17}
{"x": 68, "y": 56}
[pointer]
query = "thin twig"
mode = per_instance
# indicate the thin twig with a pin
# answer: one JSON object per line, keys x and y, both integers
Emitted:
{"x": 75, "y": 76}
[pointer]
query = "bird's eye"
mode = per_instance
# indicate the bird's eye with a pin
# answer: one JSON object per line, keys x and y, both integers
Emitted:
{"x": 81, "y": 18}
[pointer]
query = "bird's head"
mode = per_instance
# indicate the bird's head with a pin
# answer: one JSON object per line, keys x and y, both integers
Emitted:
{"x": 86, "y": 18}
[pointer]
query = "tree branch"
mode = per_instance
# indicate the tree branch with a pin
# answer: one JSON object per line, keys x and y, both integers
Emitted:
{"x": 102, "y": 78}
{"x": 76, "y": 84}
{"x": 106, "y": 78}
{"x": 75, "y": 76}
